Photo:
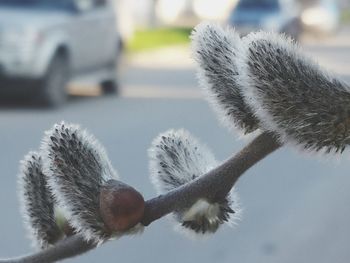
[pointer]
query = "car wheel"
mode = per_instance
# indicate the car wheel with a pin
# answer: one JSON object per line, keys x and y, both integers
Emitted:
{"x": 110, "y": 87}
{"x": 53, "y": 86}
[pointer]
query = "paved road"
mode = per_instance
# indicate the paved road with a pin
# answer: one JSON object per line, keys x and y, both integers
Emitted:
{"x": 296, "y": 206}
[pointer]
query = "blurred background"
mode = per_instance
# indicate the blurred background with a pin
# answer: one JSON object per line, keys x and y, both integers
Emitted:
{"x": 123, "y": 70}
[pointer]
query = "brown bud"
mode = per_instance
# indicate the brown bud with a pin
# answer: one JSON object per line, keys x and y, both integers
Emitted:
{"x": 121, "y": 206}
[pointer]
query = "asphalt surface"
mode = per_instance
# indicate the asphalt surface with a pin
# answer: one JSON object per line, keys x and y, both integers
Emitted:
{"x": 296, "y": 205}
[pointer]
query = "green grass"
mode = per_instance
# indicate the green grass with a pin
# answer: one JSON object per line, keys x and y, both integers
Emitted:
{"x": 346, "y": 16}
{"x": 155, "y": 38}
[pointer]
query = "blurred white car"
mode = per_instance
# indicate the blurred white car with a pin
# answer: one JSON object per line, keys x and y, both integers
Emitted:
{"x": 46, "y": 43}
{"x": 280, "y": 16}
{"x": 320, "y": 16}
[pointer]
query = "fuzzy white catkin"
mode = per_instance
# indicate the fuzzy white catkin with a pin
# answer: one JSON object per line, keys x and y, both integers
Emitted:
{"x": 77, "y": 166}
{"x": 215, "y": 50}
{"x": 292, "y": 96}
{"x": 177, "y": 158}
{"x": 37, "y": 202}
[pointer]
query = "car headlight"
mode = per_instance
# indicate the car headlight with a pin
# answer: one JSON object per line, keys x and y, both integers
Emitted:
{"x": 20, "y": 44}
{"x": 22, "y": 36}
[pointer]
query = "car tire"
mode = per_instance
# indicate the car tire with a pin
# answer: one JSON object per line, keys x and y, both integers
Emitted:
{"x": 53, "y": 86}
{"x": 110, "y": 87}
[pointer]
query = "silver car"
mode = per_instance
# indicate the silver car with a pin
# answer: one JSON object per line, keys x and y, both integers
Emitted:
{"x": 46, "y": 43}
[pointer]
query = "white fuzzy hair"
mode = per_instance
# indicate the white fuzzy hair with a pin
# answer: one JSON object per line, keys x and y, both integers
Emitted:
{"x": 36, "y": 202}
{"x": 209, "y": 210}
{"x": 194, "y": 159}
{"x": 177, "y": 158}
{"x": 248, "y": 80}
{"x": 76, "y": 182}
{"x": 257, "y": 88}
{"x": 215, "y": 50}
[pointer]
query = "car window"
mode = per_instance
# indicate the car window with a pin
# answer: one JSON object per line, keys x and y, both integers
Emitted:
{"x": 100, "y": 3}
{"x": 258, "y": 4}
{"x": 88, "y": 5}
{"x": 40, "y": 4}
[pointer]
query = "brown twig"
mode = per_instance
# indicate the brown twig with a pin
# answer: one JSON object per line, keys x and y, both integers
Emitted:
{"x": 212, "y": 186}
{"x": 70, "y": 247}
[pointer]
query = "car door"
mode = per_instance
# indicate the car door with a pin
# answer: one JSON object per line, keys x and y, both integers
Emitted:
{"x": 105, "y": 23}
{"x": 87, "y": 34}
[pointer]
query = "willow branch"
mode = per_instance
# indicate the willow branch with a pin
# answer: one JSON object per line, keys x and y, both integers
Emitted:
{"x": 67, "y": 248}
{"x": 211, "y": 186}
{"x": 216, "y": 183}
